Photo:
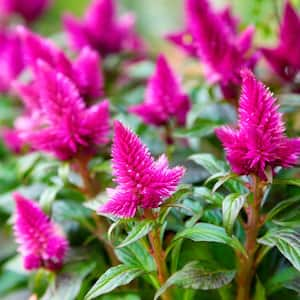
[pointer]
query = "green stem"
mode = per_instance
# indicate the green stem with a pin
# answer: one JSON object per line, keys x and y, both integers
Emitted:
{"x": 158, "y": 254}
{"x": 102, "y": 225}
{"x": 247, "y": 265}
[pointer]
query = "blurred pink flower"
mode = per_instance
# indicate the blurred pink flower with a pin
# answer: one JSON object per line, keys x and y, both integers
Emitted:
{"x": 101, "y": 30}
{"x": 222, "y": 52}
{"x": 185, "y": 40}
{"x": 285, "y": 58}
{"x": 84, "y": 71}
{"x": 66, "y": 126}
{"x": 41, "y": 243}
{"x": 142, "y": 182}
{"x": 259, "y": 140}
{"x": 164, "y": 98}
{"x": 28, "y": 10}
{"x": 11, "y": 58}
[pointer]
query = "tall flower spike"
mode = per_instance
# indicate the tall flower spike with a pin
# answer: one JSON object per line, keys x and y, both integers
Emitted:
{"x": 185, "y": 40}
{"x": 41, "y": 243}
{"x": 164, "y": 98}
{"x": 142, "y": 182}
{"x": 102, "y": 31}
{"x": 84, "y": 72}
{"x": 221, "y": 50}
{"x": 11, "y": 58}
{"x": 28, "y": 10}
{"x": 259, "y": 141}
{"x": 67, "y": 128}
{"x": 285, "y": 58}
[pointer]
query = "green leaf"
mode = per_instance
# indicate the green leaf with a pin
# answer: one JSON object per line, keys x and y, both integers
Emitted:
{"x": 137, "y": 232}
{"x": 67, "y": 283}
{"x": 204, "y": 232}
{"x": 283, "y": 206}
{"x": 208, "y": 162}
{"x": 232, "y": 204}
{"x": 288, "y": 243}
{"x": 260, "y": 292}
{"x": 195, "y": 275}
{"x": 290, "y": 181}
{"x": 113, "y": 278}
{"x": 47, "y": 198}
{"x": 201, "y": 127}
{"x": 27, "y": 162}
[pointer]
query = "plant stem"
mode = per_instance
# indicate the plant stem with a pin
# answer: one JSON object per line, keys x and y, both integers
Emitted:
{"x": 247, "y": 265}
{"x": 158, "y": 254}
{"x": 102, "y": 225}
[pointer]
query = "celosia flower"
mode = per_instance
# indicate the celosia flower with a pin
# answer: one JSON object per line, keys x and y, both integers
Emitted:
{"x": 11, "y": 58}
{"x": 11, "y": 139}
{"x": 285, "y": 58}
{"x": 164, "y": 98}
{"x": 28, "y": 10}
{"x": 66, "y": 126}
{"x": 102, "y": 31}
{"x": 41, "y": 243}
{"x": 259, "y": 141}
{"x": 142, "y": 182}
{"x": 84, "y": 71}
{"x": 222, "y": 51}
{"x": 185, "y": 40}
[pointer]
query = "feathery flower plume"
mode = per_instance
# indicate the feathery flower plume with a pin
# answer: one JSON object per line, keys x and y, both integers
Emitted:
{"x": 285, "y": 58}
{"x": 164, "y": 98}
{"x": 41, "y": 243}
{"x": 142, "y": 182}
{"x": 101, "y": 30}
{"x": 28, "y": 10}
{"x": 84, "y": 71}
{"x": 222, "y": 51}
{"x": 11, "y": 58}
{"x": 66, "y": 126}
{"x": 185, "y": 40}
{"x": 259, "y": 141}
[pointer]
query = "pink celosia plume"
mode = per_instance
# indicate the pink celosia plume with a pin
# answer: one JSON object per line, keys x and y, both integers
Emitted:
{"x": 142, "y": 182}
{"x": 164, "y": 98}
{"x": 222, "y": 51}
{"x": 259, "y": 140}
{"x": 102, "y": 30}
{"x": 66, "y": 126}
{"x": 85, "y": 71}
{"x": 11, "y": 58}
{"x": 285, "y": 57}
{"x": 41, "y": 243}
{"x": 28, "y": 10}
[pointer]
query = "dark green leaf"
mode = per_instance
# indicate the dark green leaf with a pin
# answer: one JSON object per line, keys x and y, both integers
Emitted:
{"x": 113, "y": 278}
{"x": 195, "y": 275}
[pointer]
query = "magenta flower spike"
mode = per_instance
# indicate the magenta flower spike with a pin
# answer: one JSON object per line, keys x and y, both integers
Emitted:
{"x": 101, "y": 30}
{"x": 285, "y": 58}
{"x": 259, "y": 140}
{"x": 221, "y": 50}
{"x": 67, "y": 127}
{"x": 164, "y": 98}
{"x": 185, "y": 40}
{"x": 42, "y": 245}
{"x": 28, "y": 10}
{"x": 142, "y": 182}
{"x": 84, "y": 71}
{"x": 11, "y": 59}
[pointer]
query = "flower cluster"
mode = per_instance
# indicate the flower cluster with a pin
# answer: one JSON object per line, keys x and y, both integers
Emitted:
{"x": 164, "y": 98}
{"x": 259, "y": 140}
{"x": 142, "y": 182}
{"x": 102, "y": 31}
{"x": 41, "y": 243}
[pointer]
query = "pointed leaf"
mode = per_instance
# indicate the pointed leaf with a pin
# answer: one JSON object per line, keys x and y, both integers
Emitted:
{"x": 232, "y": 204}
{"x": 113, "y": 278}
{"x": 137, "y": 232}
{"x": 208, "y": 162}
{"x": 288, "y": 243}
{"x": 197, "y": 276}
